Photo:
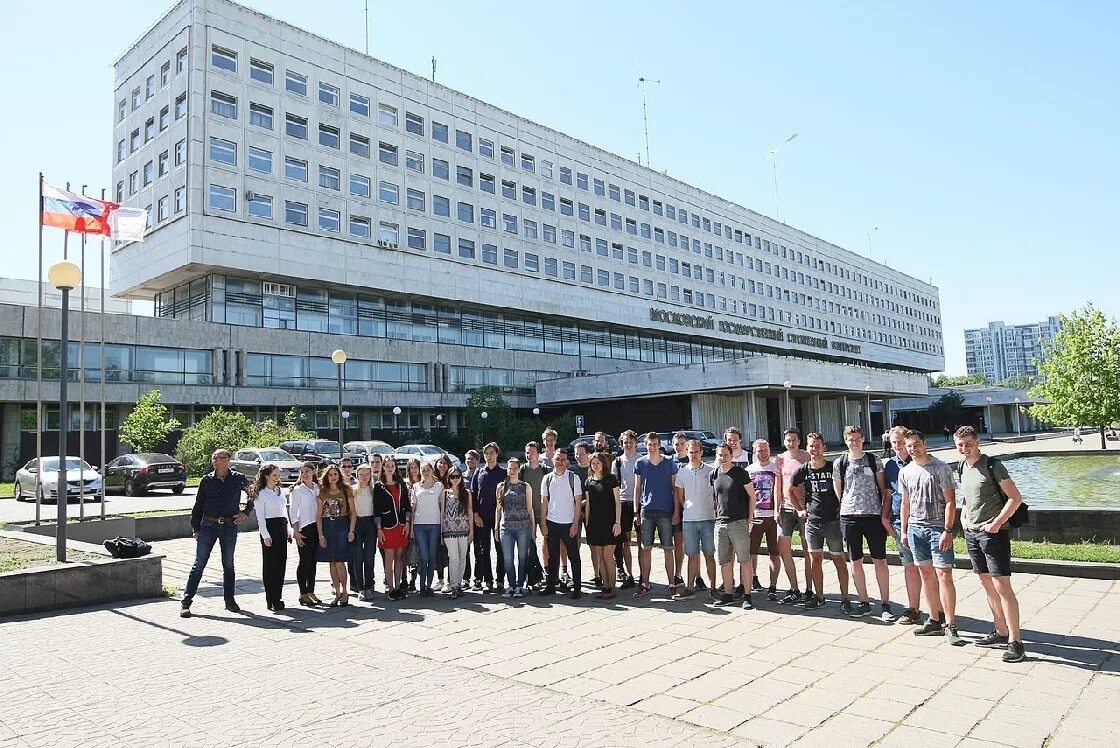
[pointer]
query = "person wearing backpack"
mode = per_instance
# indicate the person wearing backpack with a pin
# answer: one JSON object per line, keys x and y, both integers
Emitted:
{"x": 561, "y": 504}
{"x": 991, "y": 501}
{"x": 865, "y": 515}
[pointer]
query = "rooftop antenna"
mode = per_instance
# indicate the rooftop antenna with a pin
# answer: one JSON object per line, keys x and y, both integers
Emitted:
{"x": 433, "y": 69}
{"x": 870, "y": 253}
{"x": 367, "y": 27}
{"x": 645, "y": 116}
{"x": 774, "y": 164}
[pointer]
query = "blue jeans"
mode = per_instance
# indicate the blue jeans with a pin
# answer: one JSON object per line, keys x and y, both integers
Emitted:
{"x": 427, "y": 541}
{"x": 925, "y": 545}
{"x": 363, "y": 549}
{"x": 521, "y": 539}
{"x": 209, "y": 534}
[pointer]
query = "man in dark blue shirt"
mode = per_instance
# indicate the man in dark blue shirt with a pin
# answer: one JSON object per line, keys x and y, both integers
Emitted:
{"x": 483, "y": 488}
{"x": 216, "y": 514}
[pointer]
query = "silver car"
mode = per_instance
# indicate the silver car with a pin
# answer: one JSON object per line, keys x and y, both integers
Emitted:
{"x": 82, "y": 480}
{"x": 425, "y": 453}
{"x": 365, "y": 449}
{"x": 249, "y": 461}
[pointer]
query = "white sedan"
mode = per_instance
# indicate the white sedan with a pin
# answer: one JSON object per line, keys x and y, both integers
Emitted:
{"x": 82, "y": 480}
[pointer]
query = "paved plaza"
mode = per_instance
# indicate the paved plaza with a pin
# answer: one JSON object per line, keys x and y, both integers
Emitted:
{"x": 551, "y": 671}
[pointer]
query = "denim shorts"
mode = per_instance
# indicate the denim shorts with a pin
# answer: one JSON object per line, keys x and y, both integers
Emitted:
{"x": 700, "y": 535}
{"x": 819, "y": 532}
{"x": 904, "y": 553}
{"x": 789, "y": 521}
{"x": 924, "y": 541}
{"x": 662, "y": 521}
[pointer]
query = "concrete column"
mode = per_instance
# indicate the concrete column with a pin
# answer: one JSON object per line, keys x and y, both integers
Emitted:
{"x": 750, "y": 422}
{"x": 887, "y": 423}
{"x": 817, "y": 412}
{"x": 695, "y": 416}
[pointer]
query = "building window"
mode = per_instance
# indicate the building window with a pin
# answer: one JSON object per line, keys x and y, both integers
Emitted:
{"x": 329, "y": 178}
{"x": 180, "y": 199}
{"x": 464, "y": 176}
{"x": 359, "y": 145}
{"x": 180, "y": 106}
{"x": 223, "y": 104}
{"x": 181, "y": 60}
{"x": 261, "y": 116}
{"x": 387, "y": 192}
{"x": 599, "y": 187}
{"x": 509, "y": 258}
{"x": 415, "y": 199}
{"x": 223, "y": 59}
{"x": 261, "y": 72}
{"x": 149, "y": 129}
{"x": 414, "y": 123}
{"x": 414, "y": 161}
{"x": 507, "y": 155}
{"x": 122, "y": 151}
{"x": 165, "y": 74}
{"x": 223, "y": 198}
{"x": 359, "y": 104}
{"x": 466, "y": 212}
{"x": 122, "y": 109}
{"x": 464, "y": 140}
{"x": 565, "y": 175}
{"x": 548, "y": 233}
{"x": 441, "y": 169}
{"x": 387, "y": 154}
{"x": 359, "y": 185}
{"x": 149, "y": 173}
{"x": 466, "y": 249}
{"x": 490, "y": 254}
{"x": 387, "y": 115}
{"x": 550, "y": 266}
{"x": 297, "y": 84}
{"x": 260, "y": 160}
{"x": 548, "y": 201}
{"x": 295, "y": 126}
{"x": 628, "y": 196}
{"x": 528, "y": 163}
{"x": 359, "y": 226}
{"x": 329, "y": 136}
{"x": 530, "y": 228}
{"x": 163, "y": 208}
{"x": 486, "y": 183}
{"x": 569, "y": 270}
{"x": 295, "y": 213}
{"x": 532, "y": 262}
{"x": 164, "y": 157}
{"x": 180, "y": 152}
{"x": 439, "y": 132}
{"x": 135, "y": 98}
{"x": 581, "y": 181}
{"x": 295, "y": 169}
{"x": 528, "y": 195}
{"x": 417, "y": 238}
{"x": 441, "y": 243}
{"x": 328, "y": 219}
{"x": 223, "y": 151}
{"x": 134, "y": 141}
{"x": 509, "y": 189}
{"x": 133, "y": 182}
{"x": 567, "y": 208}
{"x": 488, "y": 217}
{"x": 329, "y": 94}
{"x": 441, "y": 206}
{"x": 486, "y": 148}
{"x": 603, "y": 278}
{"x": 509, "y": 223}
{"x": 260, "y": 206}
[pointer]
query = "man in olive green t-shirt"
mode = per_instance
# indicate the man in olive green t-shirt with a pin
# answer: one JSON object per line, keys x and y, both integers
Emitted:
{"x": 984, "y": 518}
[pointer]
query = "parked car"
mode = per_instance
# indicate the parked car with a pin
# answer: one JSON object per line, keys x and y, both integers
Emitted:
{"x": 707, "y": 438}
{"x": 82, "y": 480}
{"x": 136, "y": 474}
{"x": 589, "y": 440}
{"x": 367, "y": 448}
{"x": 323, "y": 451}
{"x": 424, "y": 453}
{"x": 249, "y": 461}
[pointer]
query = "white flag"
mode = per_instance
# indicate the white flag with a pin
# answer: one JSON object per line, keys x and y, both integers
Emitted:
{"x": 128, "y": 224}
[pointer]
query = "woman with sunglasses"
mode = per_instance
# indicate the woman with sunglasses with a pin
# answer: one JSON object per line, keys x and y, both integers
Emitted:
{"x": 303, "y": 511}
{"x": 458, "y": 529}
{"x": 513, "y": 519}
{"x": 392, "y": 513}
{"x": 336, "y": 530}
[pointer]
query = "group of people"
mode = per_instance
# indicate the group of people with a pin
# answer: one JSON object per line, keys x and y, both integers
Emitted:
{"x": 703, "y": 516}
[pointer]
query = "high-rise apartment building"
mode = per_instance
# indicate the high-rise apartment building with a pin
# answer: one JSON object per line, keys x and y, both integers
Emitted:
{"x": 1002, "y": 352}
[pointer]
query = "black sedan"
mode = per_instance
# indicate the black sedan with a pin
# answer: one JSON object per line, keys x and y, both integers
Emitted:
{"x": 136, "y": 474}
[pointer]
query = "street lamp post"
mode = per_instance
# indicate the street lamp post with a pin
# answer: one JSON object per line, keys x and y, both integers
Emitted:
{"x": 991, "y": 430}
{"x": 65, "y": 276}
{"x": 339, "y": 357}
{"x": 788, "y": 385}
{"x": 396, "y": 412}
{"x": 1017, "y": 431}
{"x": 536, "y": 411}
{"x": 483, "y": 415}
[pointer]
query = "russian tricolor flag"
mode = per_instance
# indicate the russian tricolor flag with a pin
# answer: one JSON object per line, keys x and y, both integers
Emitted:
{"x": 87, "y": 215}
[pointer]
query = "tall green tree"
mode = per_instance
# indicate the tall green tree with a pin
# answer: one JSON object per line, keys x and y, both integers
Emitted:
{"x": 218, "y": 429}
{"x": 947, "y": 410}
{"x": 498, "y": 412}
{"x": 148, "y": 425}
{"x": 951, "y": 380}
{"x": 269, "y": 433}
{"x": 1080, "y": 373}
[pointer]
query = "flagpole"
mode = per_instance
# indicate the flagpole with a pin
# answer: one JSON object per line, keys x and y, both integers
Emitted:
{"x": 102, "y": 421}
{"x": 39, "y": 369}
{"x": 82, "y": 387}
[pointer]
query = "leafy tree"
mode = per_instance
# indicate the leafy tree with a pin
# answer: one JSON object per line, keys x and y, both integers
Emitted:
{"x": 947, "y": 410}
{"x": 147, "y": 426}
{"x": 218, "y": 429}
{"x": 949, "y": 380}
{"x": 268, "y": 433}
{"x": 1081, "y": 373}
{"x": 499, "y": 415}
{"x": 1019, "y": 382}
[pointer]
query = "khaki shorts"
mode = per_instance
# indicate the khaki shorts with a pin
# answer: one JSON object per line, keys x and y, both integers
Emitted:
{"x": 733, "y": 539}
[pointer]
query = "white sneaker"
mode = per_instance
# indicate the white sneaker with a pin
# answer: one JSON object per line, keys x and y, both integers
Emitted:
{"x": 446, "y": 590}
{"x": 508, "y": 592}
{"x": 565, "y": 579}
{"x": 519, "y": 592}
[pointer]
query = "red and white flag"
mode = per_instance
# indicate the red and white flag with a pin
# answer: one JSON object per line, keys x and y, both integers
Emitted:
{"x": 88, "y": 215}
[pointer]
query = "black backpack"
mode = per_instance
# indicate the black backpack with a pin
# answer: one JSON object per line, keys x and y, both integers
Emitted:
{"x": 122, "y": 547}
{"x": 842, "y": 463}
{"x": 1022, "y": 512}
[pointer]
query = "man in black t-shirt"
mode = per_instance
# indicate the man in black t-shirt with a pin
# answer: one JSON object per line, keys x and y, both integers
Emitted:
{"x": 821, "y": 511}
{"x": 734, "y": 493}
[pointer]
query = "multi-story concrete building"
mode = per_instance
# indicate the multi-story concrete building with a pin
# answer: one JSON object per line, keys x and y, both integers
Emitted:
{"x": 1001, "y": 352}
{"x": 306, "y": 197}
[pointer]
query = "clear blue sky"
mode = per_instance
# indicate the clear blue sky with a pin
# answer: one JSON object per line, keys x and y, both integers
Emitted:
{"x": 981, "y": 138}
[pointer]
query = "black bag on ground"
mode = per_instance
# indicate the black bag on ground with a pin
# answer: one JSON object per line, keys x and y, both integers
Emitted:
{"x": 122, "y": 547}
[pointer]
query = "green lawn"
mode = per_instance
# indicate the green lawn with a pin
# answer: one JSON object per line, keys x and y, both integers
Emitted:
{"x": 193, "y": 481}
{"x": 1097, "y": 553}
{"x": 7, "y": 488}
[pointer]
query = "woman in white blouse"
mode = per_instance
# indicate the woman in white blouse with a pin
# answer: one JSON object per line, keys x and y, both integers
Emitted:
{"x": 303, "y": 510}
{"x": 272, "y": 521}
{"x": 427, "y": 514}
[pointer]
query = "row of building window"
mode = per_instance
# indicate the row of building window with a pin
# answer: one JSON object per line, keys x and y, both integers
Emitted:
{"x": 388, "y": 116}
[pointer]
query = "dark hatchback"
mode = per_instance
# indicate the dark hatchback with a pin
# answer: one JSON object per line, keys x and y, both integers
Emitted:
{"x": 136, "y": 474}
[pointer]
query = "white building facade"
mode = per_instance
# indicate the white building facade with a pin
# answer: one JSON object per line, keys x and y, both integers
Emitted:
{"x": 331, "y": 200}
{"x": 1001, "y": 352}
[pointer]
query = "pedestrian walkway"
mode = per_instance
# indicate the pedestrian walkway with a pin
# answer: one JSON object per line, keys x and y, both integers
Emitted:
{"x": 550, "y": 671}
